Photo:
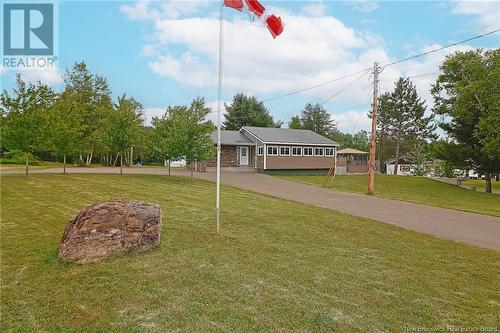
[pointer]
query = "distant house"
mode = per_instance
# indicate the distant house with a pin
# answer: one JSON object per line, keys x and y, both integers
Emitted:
{"x": 405, "y": 167}
{"x": 265, "y": 149}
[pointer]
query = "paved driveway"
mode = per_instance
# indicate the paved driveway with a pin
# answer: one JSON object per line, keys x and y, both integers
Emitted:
{"x": 475, "y": 229}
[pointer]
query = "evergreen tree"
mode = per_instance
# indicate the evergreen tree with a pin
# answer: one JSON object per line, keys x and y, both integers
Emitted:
{"x": 295, "y": 123}
{"x": 418, "y": 155}
{"x": 359, "y": 140}
{"x": 467, "y": 97}
{"x": 383, "y": 150}
{"x": 404, "y": 113}
{"x": 317, "y": 119}
{"x": 247, "y": 111}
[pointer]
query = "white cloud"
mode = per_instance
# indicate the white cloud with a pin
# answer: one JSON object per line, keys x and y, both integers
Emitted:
{"x": 137, "y": 11}
{"x": 188, "y": 69}
{"x": 315, "y": 9}
{"x": 150, "y": 113}
{"x": 310, "y": 50}
{"x": 428, "y": 64}
{"x": 173, "y": 9}
{"x": 487, "y": 13}
{"x": 352, "y": 121}
{"x": 49, "y": 76}
{"x": 148, "y": 50}
{"x": 213, "y": 115}
{"x": 363, "y": 6}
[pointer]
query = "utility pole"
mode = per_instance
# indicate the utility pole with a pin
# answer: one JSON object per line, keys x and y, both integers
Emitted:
{"x": 373, "y": 141}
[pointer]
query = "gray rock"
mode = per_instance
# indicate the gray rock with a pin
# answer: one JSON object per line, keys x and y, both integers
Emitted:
{"x": 110, "y": 228}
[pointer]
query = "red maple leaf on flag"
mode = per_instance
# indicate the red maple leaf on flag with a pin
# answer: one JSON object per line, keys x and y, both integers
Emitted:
{"x": 273, "y": 22}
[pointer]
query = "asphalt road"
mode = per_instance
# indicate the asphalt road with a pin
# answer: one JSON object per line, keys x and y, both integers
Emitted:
{"x": 475, "y": 229}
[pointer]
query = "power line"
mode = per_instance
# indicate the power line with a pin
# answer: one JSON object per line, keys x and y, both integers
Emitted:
{"x": 367, "y": 69}
{"x": 315, "y": 86}
{"x": 442, "y": 48}
{"x": 413, "y": 76}
{"x": 309, "y": 97}
{"x": 342, "y": 90}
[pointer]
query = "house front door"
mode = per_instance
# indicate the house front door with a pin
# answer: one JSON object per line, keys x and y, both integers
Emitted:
{"x": 243, "y": 155}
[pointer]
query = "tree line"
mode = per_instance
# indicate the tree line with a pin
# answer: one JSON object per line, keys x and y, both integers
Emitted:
{"x": 84, "y": 124}
{"x": 466, "y": 108}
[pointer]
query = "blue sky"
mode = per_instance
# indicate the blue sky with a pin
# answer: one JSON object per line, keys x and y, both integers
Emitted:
{"x": 165, "y": 53}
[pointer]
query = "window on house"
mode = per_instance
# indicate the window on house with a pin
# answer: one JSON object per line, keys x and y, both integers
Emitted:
{"x": 319, "y": 152}
{"x": 285, "y": 151}
{"x": 272, "y": 150}
{"x": 329, "y": 151}
{"x": 308, "y": 151}
{"x": 260, "y": 150}
{"x": 297, "y": 151}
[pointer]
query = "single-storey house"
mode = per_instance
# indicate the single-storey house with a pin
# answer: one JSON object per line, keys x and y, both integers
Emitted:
{"x": 264, "y": 149}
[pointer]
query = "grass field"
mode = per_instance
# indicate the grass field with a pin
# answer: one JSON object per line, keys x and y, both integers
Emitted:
{"x": 21, "y": 167}
{"x": 278, "y": 266}
{"x": 480, "y": 184}
{"x": 419, "y": 190}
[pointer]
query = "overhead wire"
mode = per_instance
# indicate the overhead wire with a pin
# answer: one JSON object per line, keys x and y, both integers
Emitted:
{"x": 346, "y": 87}
{"x": 384, "y": 66}
{"x": 315, "y": 86}
{"x": 441, "y": 48}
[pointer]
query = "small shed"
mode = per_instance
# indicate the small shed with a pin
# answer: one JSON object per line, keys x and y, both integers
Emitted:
{"x": 404, "y": 166}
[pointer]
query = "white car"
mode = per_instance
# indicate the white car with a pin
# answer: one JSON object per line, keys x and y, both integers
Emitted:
{"x": 176, "y": 164}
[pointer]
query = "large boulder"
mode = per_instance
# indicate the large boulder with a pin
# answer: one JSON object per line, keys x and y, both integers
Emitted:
{"x": 110, "y": 228}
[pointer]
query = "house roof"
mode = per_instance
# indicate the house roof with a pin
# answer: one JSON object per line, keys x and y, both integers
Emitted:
{"x": 402, "y": 160}
{"x": 351, "y": 151}
{"x": 231, "y": 138}
{"x": 289, "y": 136}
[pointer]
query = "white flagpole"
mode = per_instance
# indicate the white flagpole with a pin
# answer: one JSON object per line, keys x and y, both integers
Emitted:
{"x": 219, "y": 115}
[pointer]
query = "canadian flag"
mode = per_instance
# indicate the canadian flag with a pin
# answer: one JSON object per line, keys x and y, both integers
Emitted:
{"x": 273, "y": 22}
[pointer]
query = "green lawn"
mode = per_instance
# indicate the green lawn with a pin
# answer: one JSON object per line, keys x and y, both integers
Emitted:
{"x": 278, "y": 266}
{"x": 21, "y": 167}
{"x": 419, "y": 190}
{"x": 481, "y": 184}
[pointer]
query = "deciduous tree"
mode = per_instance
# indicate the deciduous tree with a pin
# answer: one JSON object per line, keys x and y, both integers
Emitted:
{"x": 88, "y": 96}
{"x": 121, "y": 127}
{"x": 190, "y": 132}
{"x": 63, "y": 130}
{"x": 467, "y": 97}
{"x": 25, "y": 126}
